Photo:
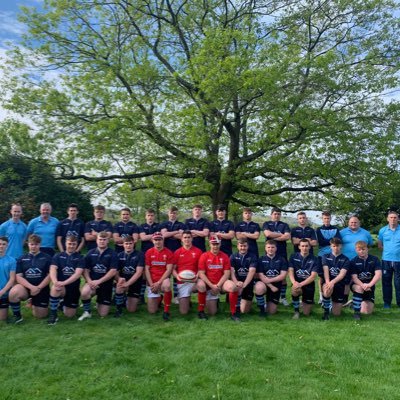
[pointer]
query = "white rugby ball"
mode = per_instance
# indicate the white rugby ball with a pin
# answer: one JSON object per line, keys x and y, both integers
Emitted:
{"x": 187, "y": 275}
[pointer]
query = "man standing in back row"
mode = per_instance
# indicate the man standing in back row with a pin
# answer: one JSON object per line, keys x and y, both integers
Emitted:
{"x": 15, "y": 231}
{"x": 389, "y": 242}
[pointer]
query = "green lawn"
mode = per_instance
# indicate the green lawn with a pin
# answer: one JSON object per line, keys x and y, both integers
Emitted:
{"x": 141, "y": 357}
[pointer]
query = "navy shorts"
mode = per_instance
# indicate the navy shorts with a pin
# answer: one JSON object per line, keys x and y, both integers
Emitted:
{"x": 42, "y": 298}
{"x": 247, "y": 292}
{"x": 308, "y": 292}
{"x": 72, "y": 295}
{"x": 134, "y": 289}
{"x": 274, "y": 297}
{"x": 4, "y": 301}
{"x": 368, "y": 295}
{"x": 104, "y": 293}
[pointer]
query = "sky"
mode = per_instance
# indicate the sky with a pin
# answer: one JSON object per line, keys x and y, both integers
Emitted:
{"x": 11, "y": 29}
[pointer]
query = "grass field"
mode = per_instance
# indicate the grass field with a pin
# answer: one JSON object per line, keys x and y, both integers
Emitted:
{"x": 142, "y": 357}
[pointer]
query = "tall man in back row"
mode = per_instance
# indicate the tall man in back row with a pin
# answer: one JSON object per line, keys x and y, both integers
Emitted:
{"x": 99, "y": 224}
{"x": 223, "y": 229}
{"x": 71, "y": 226}
{"x": 198, "y": 226}
{"x": 389, "y": 242}
{"x": 280, "y": 232}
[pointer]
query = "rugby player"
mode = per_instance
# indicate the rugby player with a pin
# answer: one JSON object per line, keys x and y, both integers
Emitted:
{"x": 280, "y": 232}
{"x": 65, "y": 273}
{"x": 214, "y": 274}
{"x": 335, "y": 268}
{"x": 186, "y": 258}
{"x": 365, "y": 272}
{"x": 32, "y": 281}
{"x": 129, "y": 276}
{"x": 248, "y": 229}
{"x": 158, "y": 269}
{"x": 8, "y": 267}
{"x": 198, "y": 226}
{"x": 303, "y": 231}
{"x": 147, "y": 229}
{"x": 303, "y": 270}
{"x": 101, "y": 264}
{"x": 271, "y": 271}
{"x": 99, "y": 224}
{"x": 243, "y": 269}
{"x": 71, "y": 226}
{"x": 125, "y": 227}
{"x": 223, "y": 229}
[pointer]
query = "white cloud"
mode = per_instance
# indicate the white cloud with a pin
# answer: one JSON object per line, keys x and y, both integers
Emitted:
{"x": 9, "y": 25}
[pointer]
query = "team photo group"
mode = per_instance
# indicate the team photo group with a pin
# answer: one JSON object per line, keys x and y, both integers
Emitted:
{"x": 125, "y": 265}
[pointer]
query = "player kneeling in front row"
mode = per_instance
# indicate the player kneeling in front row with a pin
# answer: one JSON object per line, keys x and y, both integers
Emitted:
{"x": 65, "y": 272}
{"x": 32, "y": 281}
{"x": 7, "y": 277}
{"x": 335, "y": 267}
{"x": 158, "y": 268}
{"x": 272, "y": 271}
{"x": 243, "y": 270}
{"x": 214, "y": 274}
{"x": 365, "y": 271}
{"x": 129, "y": 277}
{"x": 186, "y": 267}
{"x": 101, "y": 266}
{"x": 303, "y": 270}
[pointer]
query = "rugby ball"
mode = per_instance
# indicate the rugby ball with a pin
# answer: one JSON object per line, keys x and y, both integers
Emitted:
{"x": 187, "y": 275}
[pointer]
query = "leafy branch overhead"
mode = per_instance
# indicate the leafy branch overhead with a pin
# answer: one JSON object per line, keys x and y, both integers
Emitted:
{"x": 257, "y": 103}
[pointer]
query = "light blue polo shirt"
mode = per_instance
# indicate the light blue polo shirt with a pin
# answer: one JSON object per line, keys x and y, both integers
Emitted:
{"x": 349, "y": 239}
{"x": 46, "y": 230}
{"x": 7, "y": 265}
{"x": 16, "y": 233}
{"x": 391, "y": 243}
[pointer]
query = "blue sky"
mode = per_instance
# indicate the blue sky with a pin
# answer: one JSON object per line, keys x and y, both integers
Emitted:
{"x": 10, "y": 28}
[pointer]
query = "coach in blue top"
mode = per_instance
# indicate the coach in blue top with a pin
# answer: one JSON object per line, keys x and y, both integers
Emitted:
{"x": 389, "y": 242}
{"x": 15, "y": 231}
{"x": 353, "y": 234}
{"x": 223, "y": 229}
{"x": 45, "y": 227}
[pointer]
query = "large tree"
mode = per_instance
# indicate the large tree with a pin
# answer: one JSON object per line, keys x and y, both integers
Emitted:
{"x": 252, "y": 102}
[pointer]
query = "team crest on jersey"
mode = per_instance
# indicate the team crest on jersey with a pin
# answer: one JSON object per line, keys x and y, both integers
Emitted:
{"x": 164, "y": 257}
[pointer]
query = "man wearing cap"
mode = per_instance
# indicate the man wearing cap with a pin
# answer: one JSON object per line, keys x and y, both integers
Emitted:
{"x": 224, "y": 229}
{"x": 214, "y": 274}
{"x": 158, "y": 268}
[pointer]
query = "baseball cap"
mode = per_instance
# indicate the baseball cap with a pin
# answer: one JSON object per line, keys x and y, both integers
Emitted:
{"x": 214, "y": 239}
